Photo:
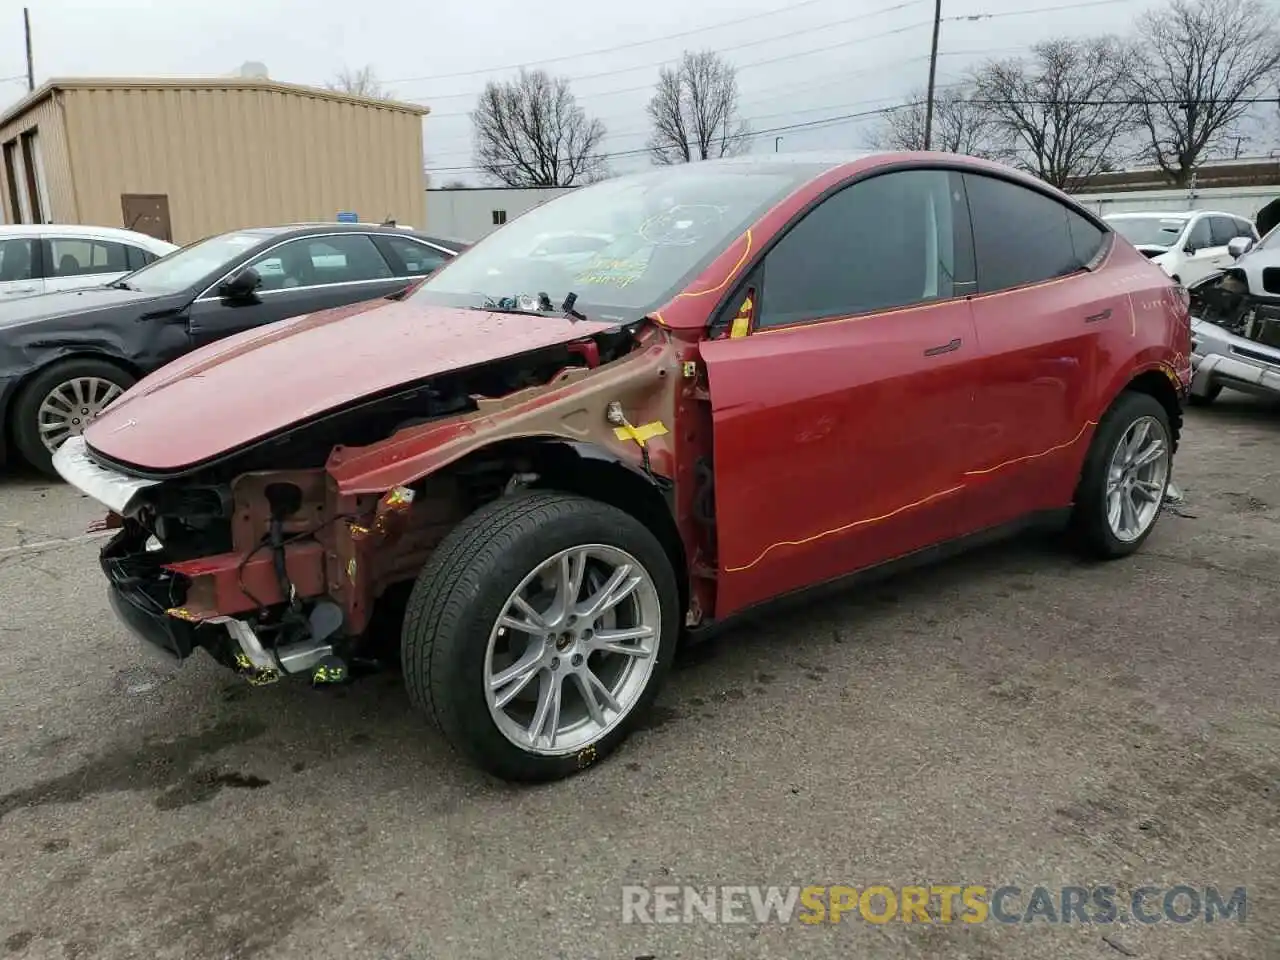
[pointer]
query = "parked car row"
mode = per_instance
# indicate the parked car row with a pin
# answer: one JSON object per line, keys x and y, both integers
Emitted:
{"x": 67, "y": 353}
{"x": 640, "y": 409}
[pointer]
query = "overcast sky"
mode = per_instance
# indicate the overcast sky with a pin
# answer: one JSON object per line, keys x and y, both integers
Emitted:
{"x": 798, "y": 62}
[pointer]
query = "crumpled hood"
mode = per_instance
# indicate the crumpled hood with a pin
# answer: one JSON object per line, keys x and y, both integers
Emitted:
{"x": 256, "y": 384}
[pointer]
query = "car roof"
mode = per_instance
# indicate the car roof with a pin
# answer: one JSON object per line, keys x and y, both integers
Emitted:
{"x": 1153, "y": 215}
{"x": 288, "y": 231}
{"x": 77, "y": 230}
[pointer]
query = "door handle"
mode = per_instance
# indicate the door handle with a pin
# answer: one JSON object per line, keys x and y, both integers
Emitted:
{"x": 945, "y": 348}
{"x": 1095, "y": 317}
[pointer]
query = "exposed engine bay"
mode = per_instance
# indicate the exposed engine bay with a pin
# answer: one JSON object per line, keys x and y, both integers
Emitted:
{"x": 1226, "y": 301}
{"x": 270, "y": 564}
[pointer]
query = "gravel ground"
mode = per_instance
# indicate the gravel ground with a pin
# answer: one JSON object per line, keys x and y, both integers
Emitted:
{"x": 1013, "y": 717}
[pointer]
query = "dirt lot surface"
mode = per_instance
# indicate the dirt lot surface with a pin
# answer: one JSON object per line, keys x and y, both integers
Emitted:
{"x": 1010, "y": 718}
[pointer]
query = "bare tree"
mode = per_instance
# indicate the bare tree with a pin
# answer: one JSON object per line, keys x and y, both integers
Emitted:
{"x": 959, "y": 125}
{"x": 694, "y": 111}
{"x": 1063, "y": 113}
{"x": 1198, "y": 64}
{"x": 359, "y": 83}
{"x": 530, "y": 132}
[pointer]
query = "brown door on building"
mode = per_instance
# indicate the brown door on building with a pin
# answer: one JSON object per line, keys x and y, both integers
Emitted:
{"x": 147, "y": 213}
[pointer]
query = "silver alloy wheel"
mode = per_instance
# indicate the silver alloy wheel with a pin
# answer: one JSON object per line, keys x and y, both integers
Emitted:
{"x": 68, "y": 408}
{"x": 1137, "y": 478}
{"x": 572, "y": 652}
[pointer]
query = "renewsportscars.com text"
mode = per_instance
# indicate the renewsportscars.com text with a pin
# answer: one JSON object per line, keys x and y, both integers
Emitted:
{"x": 935, "y": 903}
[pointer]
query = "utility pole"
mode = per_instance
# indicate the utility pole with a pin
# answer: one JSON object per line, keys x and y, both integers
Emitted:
{"x": 933, "y": 72}
{"x": 31, "y": 70}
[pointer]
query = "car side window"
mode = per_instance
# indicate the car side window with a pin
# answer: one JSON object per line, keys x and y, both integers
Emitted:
{"x": 138, "y": 257}
{"x": 892, "y": 240}
{"x": 80, "y": 257}
{"x": 17, "y": 260}
{"x": 318, "y": 261}
{"x": 1222, "y": 230}
{"x": 1022, "y": 236}
{"x": 1200, "y": 236}
{"x": 415, "y": 258}
{"x": 1244, "y": 229}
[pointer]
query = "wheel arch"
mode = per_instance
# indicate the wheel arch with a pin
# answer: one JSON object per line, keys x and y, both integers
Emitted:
{"x": 1155, "y": 383}
{"x": 25, "y": 381}
{"x": 590, "y": 470}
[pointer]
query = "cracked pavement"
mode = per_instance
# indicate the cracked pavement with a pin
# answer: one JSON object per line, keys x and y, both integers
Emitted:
{"x": 1010, "y": 717}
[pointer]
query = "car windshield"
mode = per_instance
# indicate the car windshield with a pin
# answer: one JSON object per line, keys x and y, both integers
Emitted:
{"x": 1149, "y": 231}
{"x": 188, "y": 266}
{"x": 623, "y": 246}
{"x": 1271, "y": 241}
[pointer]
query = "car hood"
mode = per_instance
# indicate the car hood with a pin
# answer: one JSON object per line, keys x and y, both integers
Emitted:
{"x": 49, "y": 306}
{"x": 252, "y": 386}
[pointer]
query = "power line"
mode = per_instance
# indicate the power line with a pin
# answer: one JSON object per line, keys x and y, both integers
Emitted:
{"x": 617, "y": 154}
{"x": 1023, "y": 13}
{"x": 844, "y": 118}
{"x": 635, "y": 43}
{"x": 743, "y": 46}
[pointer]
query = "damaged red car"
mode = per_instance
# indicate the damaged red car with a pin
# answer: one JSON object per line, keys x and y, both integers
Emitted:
{"x": 762, "y": 375}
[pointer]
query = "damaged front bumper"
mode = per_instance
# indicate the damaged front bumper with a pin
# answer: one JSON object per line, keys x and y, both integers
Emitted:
{"x": 1220, "y": 358}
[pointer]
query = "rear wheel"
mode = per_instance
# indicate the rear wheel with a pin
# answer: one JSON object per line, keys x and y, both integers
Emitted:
{"x": 59, "y": 403}
{"x": 538, "y": 634}
{"x": 1125, "y": 477}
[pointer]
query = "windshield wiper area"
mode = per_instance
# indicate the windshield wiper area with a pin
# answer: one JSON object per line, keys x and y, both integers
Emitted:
{"x": 119, "y": 285}
{"x": 523, "y": 303}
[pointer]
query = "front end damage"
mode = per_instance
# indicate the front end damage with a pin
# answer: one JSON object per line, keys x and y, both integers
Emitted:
{"x": 274, "y": 559}
{"x": 1235, "y": 336}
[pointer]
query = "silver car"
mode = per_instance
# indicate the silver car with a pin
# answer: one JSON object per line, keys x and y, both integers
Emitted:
{"x": 1235, "y": 325}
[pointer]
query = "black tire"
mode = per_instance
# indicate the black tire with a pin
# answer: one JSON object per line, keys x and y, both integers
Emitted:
{"x": 26, "y": 408}
{"x": 1090, "y": 530}
{"x": 460, "y": 594}
{"x": 1210, "y": 395}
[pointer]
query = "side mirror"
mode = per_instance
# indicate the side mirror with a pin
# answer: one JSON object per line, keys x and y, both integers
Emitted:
{"x": 1239, "y": 246}
{"x": 241, "y": 285}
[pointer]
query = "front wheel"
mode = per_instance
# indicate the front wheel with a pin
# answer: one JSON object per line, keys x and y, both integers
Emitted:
{"x": 1125, "y": 477}
{"x": 59, "y": 403}
{"x": 538, "y": 634}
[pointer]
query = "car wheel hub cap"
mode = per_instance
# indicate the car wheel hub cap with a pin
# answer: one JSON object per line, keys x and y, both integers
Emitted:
{"x": 1137, "y": 478}
{"x": 70, "y": 407}
{"x": 572, "y": 652}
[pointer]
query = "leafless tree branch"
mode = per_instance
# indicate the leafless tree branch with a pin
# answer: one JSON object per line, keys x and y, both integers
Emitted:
{"x": 1062, "y": 113}
{"x": 959, "y": 125}
{"x": 1197, "y": 63}
{"x": 694, "y": 111}
{"x": 360, "y": 83}
{"x": 530, "y": 132}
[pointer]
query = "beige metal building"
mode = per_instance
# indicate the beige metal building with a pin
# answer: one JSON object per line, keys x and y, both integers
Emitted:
{"x": 183, "y": 159}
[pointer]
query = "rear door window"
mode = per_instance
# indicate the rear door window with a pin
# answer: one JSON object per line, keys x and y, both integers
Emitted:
{"x": 411, "y": 258}
{"x": 1022, "y": 236}
{"x": 77, "y": 257}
